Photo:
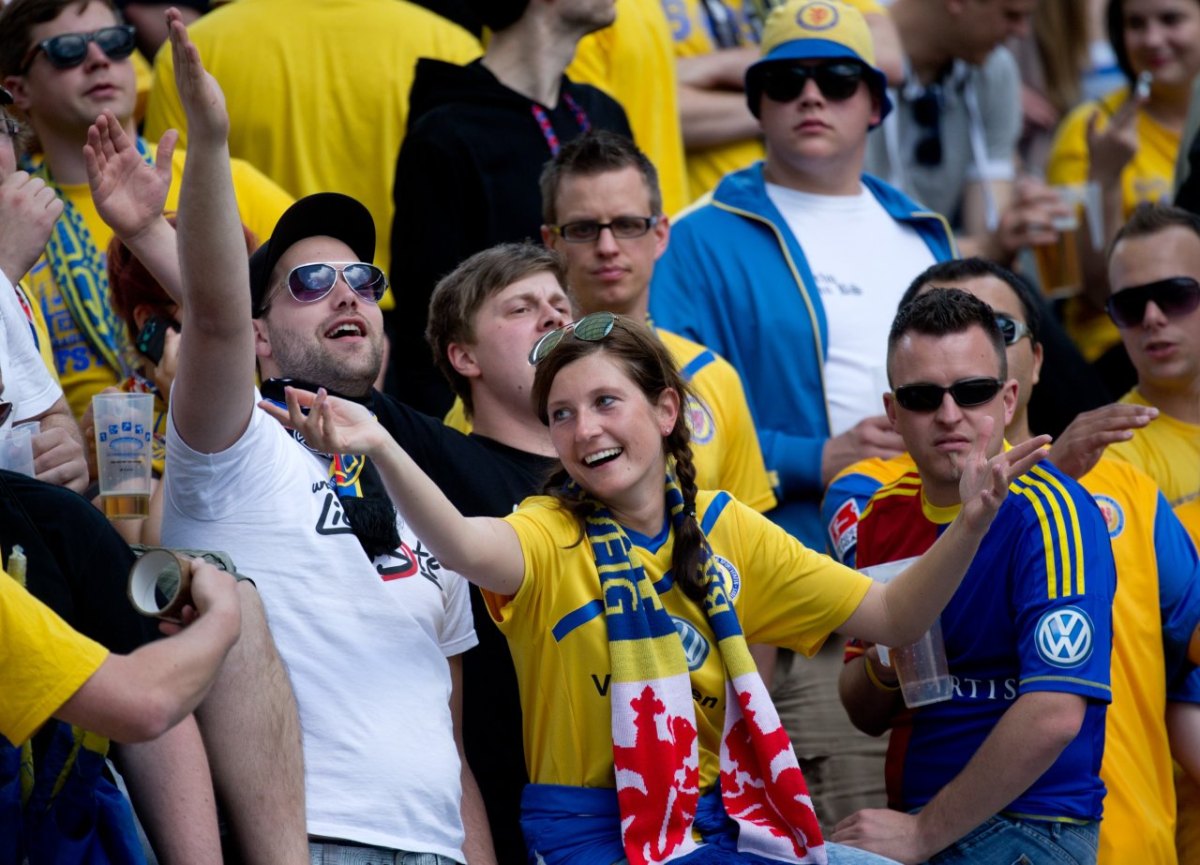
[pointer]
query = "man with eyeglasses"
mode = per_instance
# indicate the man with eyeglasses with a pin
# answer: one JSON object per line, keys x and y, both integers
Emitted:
{"x": 1153, "y": 268}
{"x": 65, "y": 62}
{"x": 1158, "y": 605}
{"x": 1008, "y": 767}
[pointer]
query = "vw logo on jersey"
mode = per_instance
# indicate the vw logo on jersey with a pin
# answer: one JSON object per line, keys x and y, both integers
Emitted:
{"x": 700, "y": 420}
{"x": 731, "y": 580}
{"x": 1114, "y": 515}
{"x": 695, "y": 647}
{"x": 1064, "y": 637}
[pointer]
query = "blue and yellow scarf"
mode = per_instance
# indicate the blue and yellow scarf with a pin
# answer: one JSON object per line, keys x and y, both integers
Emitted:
{"x": 655, "y": 747}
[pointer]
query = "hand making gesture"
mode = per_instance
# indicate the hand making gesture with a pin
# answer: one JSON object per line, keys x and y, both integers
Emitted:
{"x": 984, "y": 482}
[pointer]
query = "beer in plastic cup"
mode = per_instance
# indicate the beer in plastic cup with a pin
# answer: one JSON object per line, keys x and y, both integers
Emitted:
{"x": 16, "y": 449}
{"x": 922, "y": 667}
{"x": 124, "y": 429}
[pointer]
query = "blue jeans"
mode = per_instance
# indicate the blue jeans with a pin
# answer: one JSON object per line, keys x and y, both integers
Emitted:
{"x": 1008, "y": 841}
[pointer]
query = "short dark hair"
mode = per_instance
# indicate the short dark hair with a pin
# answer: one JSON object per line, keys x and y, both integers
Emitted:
{"x": 596, "y": 152}
{"x": 962, "y": 269}
{"x": 943, "y": 311}
{"x": 1149, "y": 219}
{"x": 459, "y": 295}
{"x": 20, "y": 17}
{"x": 498, "y": 14}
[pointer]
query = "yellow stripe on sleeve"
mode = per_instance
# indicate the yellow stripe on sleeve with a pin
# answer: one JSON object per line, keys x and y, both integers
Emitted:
{"x": 1047, "y": 542}
{"x": 1073, "y": 515}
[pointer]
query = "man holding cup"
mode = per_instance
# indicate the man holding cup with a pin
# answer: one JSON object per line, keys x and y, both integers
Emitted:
{"x": 1028, "y": 634}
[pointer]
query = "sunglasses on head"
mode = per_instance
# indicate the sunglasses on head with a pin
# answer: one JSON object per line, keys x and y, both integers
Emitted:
{"x": 1179, "y": 295}
{"x": 837, "y": 81}
{"x": 1012, "y": 330}
{"x": 309, "y": 283}
{"x": 622, "y": 228}
{"x": 70, "y": 49}
{"x": 966, "y": 392}
{"x": 591, "y": 328}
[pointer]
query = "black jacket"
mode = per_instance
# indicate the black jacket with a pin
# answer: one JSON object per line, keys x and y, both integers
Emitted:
{"x": 467, "y": 179}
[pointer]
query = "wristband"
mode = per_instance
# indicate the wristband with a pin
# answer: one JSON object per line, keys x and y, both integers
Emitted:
{"x": 874, "y": 679}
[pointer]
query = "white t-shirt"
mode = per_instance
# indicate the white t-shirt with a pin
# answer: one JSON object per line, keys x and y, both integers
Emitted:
{"x": 365, "y": 643}
{"x": 28, "y": 385}
{"x": 862, "y": 260}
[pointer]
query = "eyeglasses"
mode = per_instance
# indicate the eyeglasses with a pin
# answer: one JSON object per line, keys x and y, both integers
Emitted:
{"x": 1012, "y": 330}
{"x": 591, "y": 328}
{"x": 5, "y": 411}
{"x": 1179, "y": 295}
{"x": 69, "y": 49}
{"x": 927, "y": 112}
{"x": 967, "y": 392}
{"x": 836, "y": 81}
{"x": 308, "y": 283}
{"x": 623, "y": 228}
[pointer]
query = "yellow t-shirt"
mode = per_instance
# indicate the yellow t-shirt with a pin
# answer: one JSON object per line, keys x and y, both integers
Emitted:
{"x": 784, "y": 593}
{"x": 725, "y": 446}
{"x": 1139, "y": 810}
{"x": 80, "y": 370}
{"x": 317, "y": 91}
{"x": 1168, "y": 450}
{"x": 633, "y": 61}
{"x": 1147, "y": 177}
{"x": 42, "y": 661}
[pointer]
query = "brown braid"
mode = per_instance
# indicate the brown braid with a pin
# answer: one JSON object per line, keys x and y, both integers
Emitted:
{"x": 650, "y": 366}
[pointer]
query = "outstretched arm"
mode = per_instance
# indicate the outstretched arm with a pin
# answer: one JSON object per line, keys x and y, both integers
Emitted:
{"x": 899, "y": 612}
{"x": 211, "y": 401}
{"x": 485, "y": 550}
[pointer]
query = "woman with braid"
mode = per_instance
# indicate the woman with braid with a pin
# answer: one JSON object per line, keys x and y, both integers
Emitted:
{"x": 628, "y": 598}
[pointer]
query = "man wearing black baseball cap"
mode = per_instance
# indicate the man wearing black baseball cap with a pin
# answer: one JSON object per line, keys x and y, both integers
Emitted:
{"x": 369, "y": 625}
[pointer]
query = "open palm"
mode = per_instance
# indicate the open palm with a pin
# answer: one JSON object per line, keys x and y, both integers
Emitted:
{"x": 129, "y": 193}
{"x": 328, "y": 424}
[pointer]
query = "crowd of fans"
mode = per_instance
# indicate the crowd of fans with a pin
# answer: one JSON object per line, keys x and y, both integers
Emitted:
{"x": 531, "y": 376}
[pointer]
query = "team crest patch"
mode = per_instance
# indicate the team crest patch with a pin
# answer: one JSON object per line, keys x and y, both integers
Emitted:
{"x": 817, "y": 16}
{"x": 700, "y": 420}
{"x": 695, "y": 647}
{"x": 843, "y": 529}
{"x": 1114, "y": 516}
{"x": 731, "y": 580}
{"x": 1064, "y": 637}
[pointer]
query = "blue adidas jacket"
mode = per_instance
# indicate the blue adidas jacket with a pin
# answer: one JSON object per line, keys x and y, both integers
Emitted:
{"x": 736, "y": 280}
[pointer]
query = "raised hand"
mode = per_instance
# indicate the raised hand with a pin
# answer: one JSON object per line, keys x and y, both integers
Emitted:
{"x": 1081, "y": 444}
{"x": 129, "y": 194}
{"x": 332, "y": 425}
{"x": 28, "y": 211}
{"x": 203, "y": 101}
{"x": 984, "y": 482}
{"x": 1110, "y": 149}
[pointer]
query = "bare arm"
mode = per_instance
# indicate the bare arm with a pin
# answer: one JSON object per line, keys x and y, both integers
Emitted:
{"x": 171, "y": 789}
{"x": 899, "y": 612}
{"x": 211, "y": 401}
{"x": 712, "y": 104}
{"x": 137, "y": 697}
{"x": 485, "y": 550}
{"x": 871, "y": 704}
{"x": 478, "y": 849}
{"x": 1021, "y": 747}
{"x": 1183, "y": 730}
{"x": 59, "y": 456}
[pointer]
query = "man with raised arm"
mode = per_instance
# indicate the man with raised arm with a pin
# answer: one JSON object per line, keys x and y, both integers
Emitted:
{"x": 368, "y": 622}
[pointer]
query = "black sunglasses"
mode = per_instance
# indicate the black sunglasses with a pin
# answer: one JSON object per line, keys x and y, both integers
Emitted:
{"x": 70, "y": 49}
{"x": 837, "y": 81}
{"x": 927, "y": 112}
{"x": 591, "y": 328}
{"x": 308, "y": 283}
{"x": 1179, "y": 295}
{"x": 967, "y": 392}
{"x": 1012, "y": 330}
